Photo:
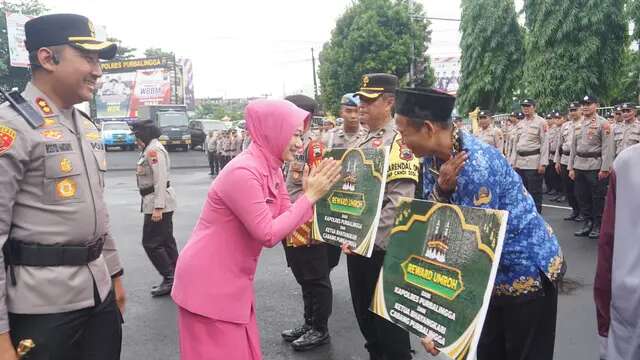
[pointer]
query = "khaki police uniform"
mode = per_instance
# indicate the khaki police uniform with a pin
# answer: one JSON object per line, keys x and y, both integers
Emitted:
{"x": 551, "y": 177}
{"x": 592, "y": 151}
{"x": 626, "y": 135}
{"x": 152, "y": 175}
{"x": 508, "y": 134}
{"x": 563, "y": 150}
{"x": 492, "y": 136}
{"x": 52, "y": 194}
{"x": 402, "y": 176}
{"x": 531, "y": 150}
{"x": 212, "y": 149}
{"x": 338, "y": 138}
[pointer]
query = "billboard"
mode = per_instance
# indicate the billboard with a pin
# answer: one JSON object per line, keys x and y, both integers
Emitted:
{"x": 18, "y": 54}
{"x": 127, "y": 85}
{"x": 447, "y": 71}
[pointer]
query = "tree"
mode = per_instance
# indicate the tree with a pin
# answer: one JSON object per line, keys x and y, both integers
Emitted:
{"x": 158, "y": 52}
{"x": 123, "y": 52}
{"x": 492, "y": 55}
{"x": 573, "y": 48}
{"x": 374, "y": 36}
{"x": 11, "y": 77}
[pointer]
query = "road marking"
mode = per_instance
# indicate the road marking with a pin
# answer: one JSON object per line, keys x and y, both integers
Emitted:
{"x": 557, "y": 207}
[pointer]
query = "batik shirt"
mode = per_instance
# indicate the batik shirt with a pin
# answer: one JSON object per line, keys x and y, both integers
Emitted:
{"x": 530, "y": 247}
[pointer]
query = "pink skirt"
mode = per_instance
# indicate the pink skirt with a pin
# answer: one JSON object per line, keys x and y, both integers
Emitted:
{"x": 202, "y": 338}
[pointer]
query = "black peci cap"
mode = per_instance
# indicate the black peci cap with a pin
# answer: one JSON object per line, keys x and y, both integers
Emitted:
{"x": 303, "y": 102}
{"x": 574, "y": 105}
{"x": 484, "y": 113}
{"x": 424, "y": 104}
{"x": 66, "y": 29}
{"x": 589, "y": 99}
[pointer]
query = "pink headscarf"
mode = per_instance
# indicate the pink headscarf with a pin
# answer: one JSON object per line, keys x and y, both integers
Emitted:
{"x": 271, "y": 124}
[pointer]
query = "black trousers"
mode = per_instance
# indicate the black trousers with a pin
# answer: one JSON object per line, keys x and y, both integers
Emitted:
{"x": 591, "y": 193}
{"x": 93, "y": 333}
{"x": 552, "y": 178}
{"x": 383, "y": 339}
{"x": 159, "y": 243}
{"x": 569, "y": 188}
{"x": 212, "y": 162}
{"x": 311, "y": 266}
{"x": 532, "y": 181}
{"x": 521, "y": 330}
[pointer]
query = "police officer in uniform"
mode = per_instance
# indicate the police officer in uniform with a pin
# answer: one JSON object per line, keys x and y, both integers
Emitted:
{"x": 310, "y": 261}
{"x": 562, "y": 159}
{"x": 487, "y": 132}
{"x": 158, "y": 204}
{"x": 551, "y": 177}
{"x": 60, "y": 281}
{"x": 590, "y": 160}
{"x": 348, "y": 134}
{"x": 531, "y": 151}
{"x": 627, "y": 133}
{"x": 384, "y": 340}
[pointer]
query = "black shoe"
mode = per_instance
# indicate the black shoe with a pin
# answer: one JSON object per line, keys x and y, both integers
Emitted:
{"x": 163, "y": 289}
{"x": 586, "y": 229}
{"x": 293, "y": 334}
{"x": 595, "y": 233}
{"x": 572, "y": 217}
{"x": 580, "y": 218}
{"x": 560, "y": 198}
{"x": 552, "y": 192}
{"x": 311, "y": 339}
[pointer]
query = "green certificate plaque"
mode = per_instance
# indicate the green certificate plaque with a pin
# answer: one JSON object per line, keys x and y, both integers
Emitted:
{"x": 439, "y": 271}
{"x": 350, "y": 211}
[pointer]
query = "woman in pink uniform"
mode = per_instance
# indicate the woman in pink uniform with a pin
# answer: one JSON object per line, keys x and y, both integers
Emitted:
{"x": 247, "y": 208}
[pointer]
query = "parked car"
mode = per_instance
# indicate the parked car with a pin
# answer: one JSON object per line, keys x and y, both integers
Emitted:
{"x": 200, "y": 129}
{"x": 117, "y": 133}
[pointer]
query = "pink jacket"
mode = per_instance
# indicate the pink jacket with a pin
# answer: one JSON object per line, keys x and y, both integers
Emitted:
{"x": 247, "y": 208}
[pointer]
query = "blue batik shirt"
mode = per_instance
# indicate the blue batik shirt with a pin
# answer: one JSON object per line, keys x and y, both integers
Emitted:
{"x": 530, "y": 247}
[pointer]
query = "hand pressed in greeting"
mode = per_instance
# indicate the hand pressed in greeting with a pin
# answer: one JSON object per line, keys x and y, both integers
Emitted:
{"x": 448, "y": 178}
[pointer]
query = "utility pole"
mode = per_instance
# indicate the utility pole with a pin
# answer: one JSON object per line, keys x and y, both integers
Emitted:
{"x": 315, "y": 82}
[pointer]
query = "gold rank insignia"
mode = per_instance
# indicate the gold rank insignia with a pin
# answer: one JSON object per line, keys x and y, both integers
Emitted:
{"x": 49, "y": 121}
{"x": 65, "y": 165}
{"x": 7, "y": 138}
{"x": 66, "y": 188}
{"x": 483, "y": 197}
{"x": 365, "y": 81}
{"x": 93, "y": 136}
{"x": 44, "y": 106}
{"x": 89, "y": 125}
{"x": 51, "y": 134}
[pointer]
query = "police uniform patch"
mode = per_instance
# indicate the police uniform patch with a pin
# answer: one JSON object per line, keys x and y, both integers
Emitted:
{"x": 400, "y": 168}
{"x": 65, "y": 165}
{"x": 66, "y": 188}
{"x": 153, "y": 156}
{"x": 405, "y": 153}
{"x": 88, "y": 125}
{"x": 7, "y": 138}
{"x": 44, "y": 106}
{"x": 315, "y": 152}
{"x": 93, "y": 136}
{"x": 51, "y": 134}
{"x": 483, "y": 197}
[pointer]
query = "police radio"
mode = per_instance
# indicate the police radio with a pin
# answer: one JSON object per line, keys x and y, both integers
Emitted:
{"x": 22, "y": 107}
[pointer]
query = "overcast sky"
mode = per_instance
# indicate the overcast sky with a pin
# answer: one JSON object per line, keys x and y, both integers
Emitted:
{"x": 242, "y": 48}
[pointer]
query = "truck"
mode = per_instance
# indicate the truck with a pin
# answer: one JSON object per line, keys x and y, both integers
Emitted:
{"x": 173, "y": 121}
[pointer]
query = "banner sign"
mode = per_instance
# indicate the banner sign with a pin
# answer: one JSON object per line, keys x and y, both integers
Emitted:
{"x": 350, "y": 211}
{"x": 439, "y": 271}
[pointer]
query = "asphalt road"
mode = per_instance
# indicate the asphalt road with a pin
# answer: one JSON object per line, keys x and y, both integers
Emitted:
{"x": 150, "y": 330}
{"x": 118, "y": 159}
